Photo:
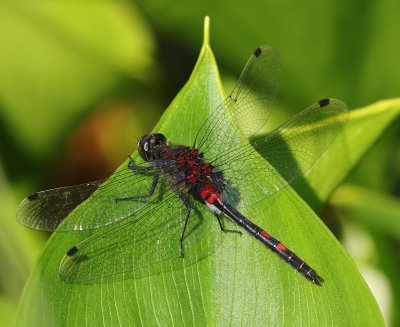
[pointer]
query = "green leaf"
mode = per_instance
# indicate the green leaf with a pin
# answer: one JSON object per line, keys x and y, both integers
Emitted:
{"x": 7, "y": 313}
{"x": 344, "y": 66}
{"x": 61, "y": 59}
{"x": 19, "y": 249}
{"x": 377, "y": 210}
{"x": 364, "y": 128}
{"x": 242, "y": 283}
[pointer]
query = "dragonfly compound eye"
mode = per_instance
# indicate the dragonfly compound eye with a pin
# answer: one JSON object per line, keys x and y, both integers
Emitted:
{"x": 150, "y": 146}
{"x": 158, "y": 139}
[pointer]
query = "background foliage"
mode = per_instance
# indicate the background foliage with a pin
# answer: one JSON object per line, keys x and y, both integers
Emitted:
{"x": 78, "y": 81}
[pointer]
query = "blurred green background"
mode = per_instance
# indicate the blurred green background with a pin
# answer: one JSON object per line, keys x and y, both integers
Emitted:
{"x": 80, "y": 81}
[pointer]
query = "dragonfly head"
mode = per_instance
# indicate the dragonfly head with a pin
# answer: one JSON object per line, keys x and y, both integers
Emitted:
{"x": 150, "y": 146}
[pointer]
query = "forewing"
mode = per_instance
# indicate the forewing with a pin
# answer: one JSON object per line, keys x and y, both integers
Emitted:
{"x": 246, "y": 109}
{"x": 47, "y": 210}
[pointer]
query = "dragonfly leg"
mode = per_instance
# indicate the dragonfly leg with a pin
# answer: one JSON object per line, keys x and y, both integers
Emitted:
{"x": 188, "y": 212}
{"x": 222, "y": 225}
{"x": 134, "y": 167}
{"x": 149, "y": 194}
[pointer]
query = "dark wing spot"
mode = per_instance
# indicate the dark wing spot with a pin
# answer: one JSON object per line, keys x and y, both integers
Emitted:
{"x": 72, "y": 251}
{"x": 323, "y": 102}
{"x": 257, "y": 52}
{"x": 33, "y": 196}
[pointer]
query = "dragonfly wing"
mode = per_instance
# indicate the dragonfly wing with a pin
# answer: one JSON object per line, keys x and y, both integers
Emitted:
{"x": 295, "y": 146}
{"x": 47, "y": 210}
{"x": 146, "y": 243}
{"x": 246, "y": 109}
{"x": 289, "y": 151}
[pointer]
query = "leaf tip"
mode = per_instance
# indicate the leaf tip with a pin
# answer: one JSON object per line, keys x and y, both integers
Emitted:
{"x": 206, "y": 31}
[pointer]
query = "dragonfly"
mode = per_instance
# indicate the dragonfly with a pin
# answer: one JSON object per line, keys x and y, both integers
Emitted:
{"x": 161, "y": 213}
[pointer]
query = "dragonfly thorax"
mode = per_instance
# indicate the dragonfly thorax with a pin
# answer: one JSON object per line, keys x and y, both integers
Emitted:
{"x": 196, "y": 169}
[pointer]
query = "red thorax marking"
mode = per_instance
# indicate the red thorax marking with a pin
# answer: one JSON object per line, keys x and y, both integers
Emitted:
{"x": 196, "y": 167}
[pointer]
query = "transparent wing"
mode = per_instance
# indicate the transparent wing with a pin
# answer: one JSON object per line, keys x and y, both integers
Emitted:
{"x": 148, "y": 242}
{"x": 295, "y": 146}
{"x": 247, "y": 108}
{"x": 289, "y": 151}
{"x": 47, "y": 210}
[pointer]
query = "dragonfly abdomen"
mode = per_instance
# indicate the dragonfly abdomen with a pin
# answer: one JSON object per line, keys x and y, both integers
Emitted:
{"x": 272, "y": 243}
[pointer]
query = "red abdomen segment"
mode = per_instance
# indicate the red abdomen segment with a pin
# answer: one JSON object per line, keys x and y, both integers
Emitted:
{"x": 210, "y": 195}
